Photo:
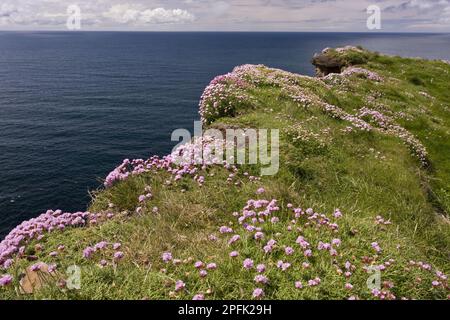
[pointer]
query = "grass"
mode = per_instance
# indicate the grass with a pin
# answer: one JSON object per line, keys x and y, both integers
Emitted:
{"x": 322, "y": 166}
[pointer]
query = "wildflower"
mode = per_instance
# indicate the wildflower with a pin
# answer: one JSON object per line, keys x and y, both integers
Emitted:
{"x": 117, "y": 246}
{"x": 248, "y": 264}
{"x": 199, "y": 265}
{"x": 36, "y": 267}
{"x": 260, "y": 268}
{"x": 103, "y": 262}
{"x": 305, "y": 265}
{"x": 167, "y": 256}
{"x": 155, "y": 210}
{"x": 348, "y": 286}
{"x": 275, "y": 220}
{"x": 61, "y": 247}
{"x": 261, "y": 279}
{"x": 298, "y": 285}
{"x": 337, "y": 213}
{"x": 260, "y": 191}
{"x": 179, "y": 285}
{"x": 307, "y": 253}
{"x": 203, "y": 273}
{"x": 8, "y": 263}
{"x": 258, "y": 293}
{"x": 87, "y": 253}
{"x": 52, "y": 268}
{"x": 225, "y": 229}
{"x": 289, "y": 251}
{"x": 259, "y": 235}
{"x": 234, "y": 254}
{"x": 211, "y": 266}
{"x": 199, "y": 297}
{"x": 101, "y": 245}
{"x": 283, "y": 265}
{"x": 5, "y": 280}
{"x": 376, "y": 246}
{"x": 118, "y": 255}
{"x": 212, "y": 237}
{"x": 436, "y": 283}
{"x": 336, "y": 242}
{"x": 53, "y": 254}
{"x": 234, "y": 239}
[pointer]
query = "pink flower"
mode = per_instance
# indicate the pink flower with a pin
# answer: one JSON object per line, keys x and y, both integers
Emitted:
{"x": 259, "y": 235}
{"x": 307, "y": 253}
{"x": 103, "y": 262}
{"x": 5, "y": 280}
{"x": 298, "y": 285}
{"x": 337, "y": 213}
{"x": 179, "y": 285}
{"x": 234, "y": 254}
{"x": 336, "y": 242}
{"x": 52, "y": 268}
{"x": 289, "y": 251}
{"x": 348, "y": 286}
{"x": 260, "y": 191}
{"x": 248, "y": 264}
{"x": 305, "y": 265}
{"x": 199, "y": 297}
{"x": 117, "y": 246}
{"x": 211, "y": 266}
{"x": 53, "y": 254}
{"x": 199, "y": 265}
{"x": 258, "y": 293}
{"x": 261, "y": 279}
{"x": 167, "y": 256}
{"x": 203, "y": 273}
{"x": 234, "y": 239}
{"x": 376, "y": 246}
{"x": 118, "y": 255}
{"x": 436, "y": 283}
{"x": 260, "y": 268}
{"x": 36, "y": 267}
{"x": 225, "y": 229}
{"x": 87, "y": 253}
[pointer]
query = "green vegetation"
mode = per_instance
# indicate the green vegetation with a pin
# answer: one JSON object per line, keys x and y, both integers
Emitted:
{"x": 326, "y": 162}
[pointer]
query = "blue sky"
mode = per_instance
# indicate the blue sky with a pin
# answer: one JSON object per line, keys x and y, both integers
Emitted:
{"x": 227, "y": 15}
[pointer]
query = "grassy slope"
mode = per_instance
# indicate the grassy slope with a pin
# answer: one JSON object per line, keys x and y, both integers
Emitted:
{"x": 365, "y": 174}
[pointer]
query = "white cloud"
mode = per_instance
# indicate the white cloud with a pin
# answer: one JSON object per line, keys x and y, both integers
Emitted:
{"x": 227, "y": 15}
{"x": 139, "y": 15}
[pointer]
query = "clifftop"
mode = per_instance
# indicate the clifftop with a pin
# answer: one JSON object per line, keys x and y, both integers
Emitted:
{"x": 362, "y": 189}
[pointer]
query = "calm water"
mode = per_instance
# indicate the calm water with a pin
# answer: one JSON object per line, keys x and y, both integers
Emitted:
{"x": 73, "y": 105}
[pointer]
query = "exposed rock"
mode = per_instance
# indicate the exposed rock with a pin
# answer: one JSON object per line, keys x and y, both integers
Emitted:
{"x": 326, "y": 64}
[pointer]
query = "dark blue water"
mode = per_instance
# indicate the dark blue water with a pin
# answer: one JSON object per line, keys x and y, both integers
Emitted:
{"x": 73, "y": 105}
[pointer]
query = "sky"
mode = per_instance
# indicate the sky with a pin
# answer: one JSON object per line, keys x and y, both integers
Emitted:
{"x": 225, "y": 15}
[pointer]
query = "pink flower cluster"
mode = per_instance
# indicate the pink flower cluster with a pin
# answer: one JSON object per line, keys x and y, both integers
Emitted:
{"x": 35, "y": 229}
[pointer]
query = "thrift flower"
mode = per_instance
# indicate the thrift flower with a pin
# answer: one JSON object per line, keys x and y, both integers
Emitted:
{"x": 179, "y": 285}
{"x": 260, "y": 268}
{"x": 167, "y": 256}
{"x": 258, "y": 293}
{"x": 199, "y": 297}
{"x": 118, "y": 255}
{"x": 234, "y": 254}
{"x": 248, "y": 264}
{"x": 5, "y": 280}
{"x": 298, "y": 285}
{"x": 211, "y": 266}
{"x": 289, "y": 251}
{"x": 261, "y": 279}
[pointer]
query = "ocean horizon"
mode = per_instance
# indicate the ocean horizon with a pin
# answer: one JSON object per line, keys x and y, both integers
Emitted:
{"x": 73, "y": 105}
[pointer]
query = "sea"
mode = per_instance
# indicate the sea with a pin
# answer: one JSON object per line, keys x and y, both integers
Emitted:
{"x": 73, "y": 105}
